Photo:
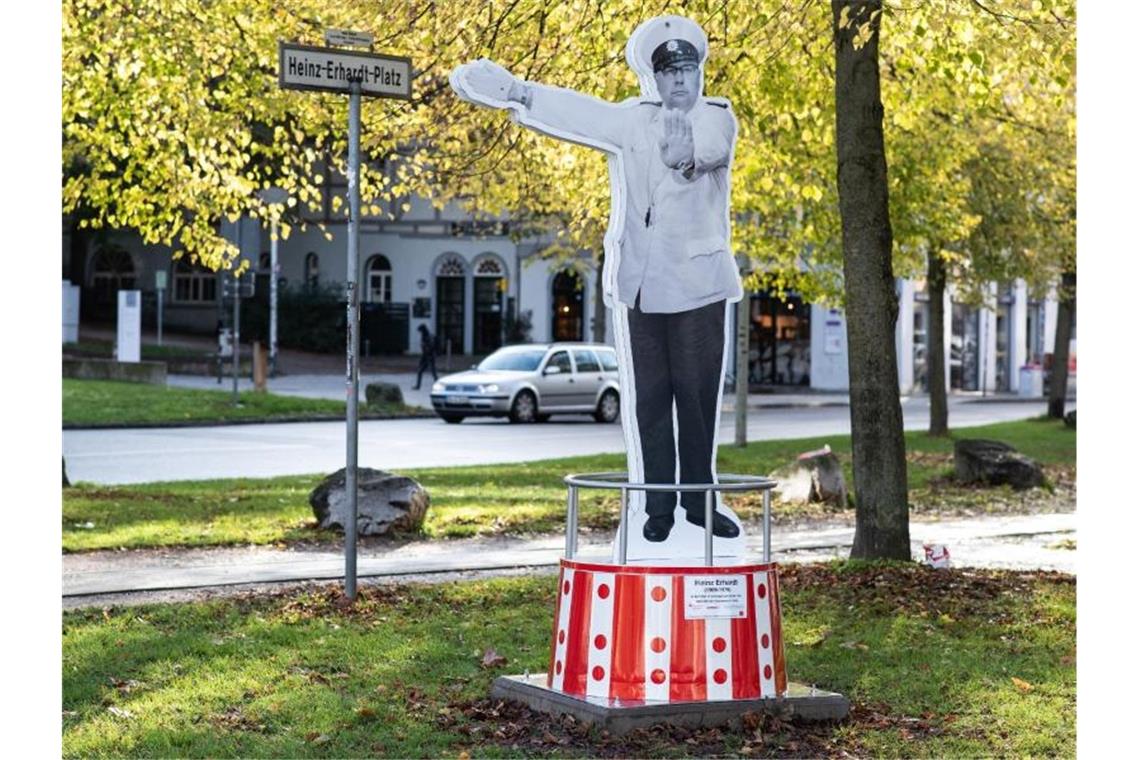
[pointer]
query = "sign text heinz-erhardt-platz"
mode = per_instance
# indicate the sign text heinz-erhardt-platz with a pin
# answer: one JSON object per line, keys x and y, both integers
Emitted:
{"x": 301, "y": 67}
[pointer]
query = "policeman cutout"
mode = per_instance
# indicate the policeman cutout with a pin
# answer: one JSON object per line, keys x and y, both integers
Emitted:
{"x": 669, "y": 272}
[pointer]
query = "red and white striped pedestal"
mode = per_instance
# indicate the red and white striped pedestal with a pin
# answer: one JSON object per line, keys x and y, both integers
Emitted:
{"x": 627, "y": 635}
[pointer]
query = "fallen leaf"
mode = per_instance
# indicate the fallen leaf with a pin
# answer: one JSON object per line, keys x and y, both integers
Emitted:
{"x": 1022, "y": 686}
{"x": 119, "y": 712}
{"x": 492, "y": 659}
{"x": 464, "y": 755}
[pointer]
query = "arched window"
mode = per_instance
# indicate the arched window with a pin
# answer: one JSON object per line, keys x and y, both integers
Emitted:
{"x": 112, "y": 270}
{"x": 193, "y": 283}
{"x": 379, "y": 278}
{"x": 312, "y": 271}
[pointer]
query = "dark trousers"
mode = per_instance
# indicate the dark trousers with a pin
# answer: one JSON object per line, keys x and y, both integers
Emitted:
{"x": 426, "y": 361}
{"x": 677, "y": 359}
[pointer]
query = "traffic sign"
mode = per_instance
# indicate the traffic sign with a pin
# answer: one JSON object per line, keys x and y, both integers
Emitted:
{"x": 302, "y": 67}
{"x": 348, "y": 38}
{"x": 243, "y": 286}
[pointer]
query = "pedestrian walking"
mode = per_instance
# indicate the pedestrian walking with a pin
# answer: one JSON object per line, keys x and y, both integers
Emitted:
{"x": 427, "y": 356}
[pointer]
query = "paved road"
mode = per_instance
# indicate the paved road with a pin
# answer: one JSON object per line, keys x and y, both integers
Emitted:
{"x": 158, "y": 454}
{"x": 1043, "y": 541}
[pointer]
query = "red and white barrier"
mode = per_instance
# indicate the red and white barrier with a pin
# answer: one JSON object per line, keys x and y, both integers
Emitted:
{"x": 636, "y": 634}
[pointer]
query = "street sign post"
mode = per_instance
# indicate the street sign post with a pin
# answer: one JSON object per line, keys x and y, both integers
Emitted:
{"x": 160, "y": 289}
{"x": 234, "y": 289}
{"x": 301, "y": 67}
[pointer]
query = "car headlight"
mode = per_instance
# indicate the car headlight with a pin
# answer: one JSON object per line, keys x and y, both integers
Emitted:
{"x": 489, "y": 388}
{"x": 437, "y": 387}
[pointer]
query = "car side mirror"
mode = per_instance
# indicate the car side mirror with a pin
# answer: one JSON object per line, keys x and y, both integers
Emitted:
{"x": 552, "y": 369}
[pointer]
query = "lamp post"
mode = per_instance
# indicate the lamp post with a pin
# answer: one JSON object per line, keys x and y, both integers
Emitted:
{"x": 274, "y": 196}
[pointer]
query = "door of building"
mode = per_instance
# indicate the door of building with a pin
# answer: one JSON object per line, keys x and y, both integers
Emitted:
{"x": 964, "y": 348}
{"x": 566, "y": 298}
{"x": 450, "y": 305}
{"x": 488, "y": 314}
{"x": 779, "y": 340}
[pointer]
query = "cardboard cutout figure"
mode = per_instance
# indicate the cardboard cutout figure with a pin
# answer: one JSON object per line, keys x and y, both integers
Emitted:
{"x": 669, "y": 272}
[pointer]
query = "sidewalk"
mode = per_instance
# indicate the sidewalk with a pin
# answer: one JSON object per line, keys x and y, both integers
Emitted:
{"x": 1011, "y": 542}
{"x": 312, "y": 375}
{"x": 334, "y": 387}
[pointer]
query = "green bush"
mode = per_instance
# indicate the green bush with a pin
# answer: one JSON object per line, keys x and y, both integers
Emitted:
{"x": 308, "y": 319}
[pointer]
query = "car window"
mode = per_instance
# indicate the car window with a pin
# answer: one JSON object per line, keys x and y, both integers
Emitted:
{"x": 526, "y": 360}
{"x": 586, "y": 361}
{"x": 560, "y": 359}
{"x": 609, "y": 360}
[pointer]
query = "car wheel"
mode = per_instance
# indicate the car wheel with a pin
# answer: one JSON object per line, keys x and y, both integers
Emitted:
{"x": 609, "y": 407}
{"x": 452, "y": 419}
{"x": 524, "y": 408}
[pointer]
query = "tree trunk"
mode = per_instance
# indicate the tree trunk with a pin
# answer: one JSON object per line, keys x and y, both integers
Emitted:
{"x": 881, "y": 518}
{"x": 1059, "y": 375}
{"x": 936, "y": 343}
{"x": 599, "y": 321}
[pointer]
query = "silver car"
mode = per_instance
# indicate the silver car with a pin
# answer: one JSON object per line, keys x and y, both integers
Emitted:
{"x": 530, "y": 382}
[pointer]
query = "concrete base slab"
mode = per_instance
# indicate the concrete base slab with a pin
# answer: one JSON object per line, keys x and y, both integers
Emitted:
{"x": 619, "y": 717}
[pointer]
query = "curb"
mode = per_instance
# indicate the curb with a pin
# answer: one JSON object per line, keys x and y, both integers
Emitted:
{"x": 251, "y": 421}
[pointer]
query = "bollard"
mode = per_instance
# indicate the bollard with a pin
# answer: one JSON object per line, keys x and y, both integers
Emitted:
{"x": 260, "y": 366}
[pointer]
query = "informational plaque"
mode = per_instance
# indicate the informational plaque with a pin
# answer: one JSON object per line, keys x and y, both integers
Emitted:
{"x": 715, "y": 596}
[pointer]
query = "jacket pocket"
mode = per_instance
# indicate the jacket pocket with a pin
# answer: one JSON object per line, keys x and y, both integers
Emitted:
{"x": 706, "y": 246}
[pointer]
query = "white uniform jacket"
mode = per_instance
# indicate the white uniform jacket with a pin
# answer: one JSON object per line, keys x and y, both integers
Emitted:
{"x": 674, "y": 232}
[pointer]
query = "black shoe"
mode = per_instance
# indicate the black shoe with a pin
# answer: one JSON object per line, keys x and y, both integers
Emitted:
{"x": 722, "y": 526}
{"x": 657, "y": 528}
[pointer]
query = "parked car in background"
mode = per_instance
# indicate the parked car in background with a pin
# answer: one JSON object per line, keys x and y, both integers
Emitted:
{"x": 530, "y": 382}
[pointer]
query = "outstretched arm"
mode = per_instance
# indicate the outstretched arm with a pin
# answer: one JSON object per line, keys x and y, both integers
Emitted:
{"x": 556, "y": 111}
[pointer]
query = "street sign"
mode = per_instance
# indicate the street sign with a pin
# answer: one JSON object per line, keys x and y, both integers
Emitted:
{"x": 160, "y": 279}
{"x": 243, "y": 286}
{"x": 348, "y": 38}
{"x": 301, "y": 67}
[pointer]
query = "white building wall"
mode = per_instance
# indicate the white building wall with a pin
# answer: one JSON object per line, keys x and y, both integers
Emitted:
{"x": 904, "y": 335}
{"x": 1018, "y": 315}
{"x": 537, "y": 276}
{"x": 1050, "y": 322}
{"x": 987, "y": 340}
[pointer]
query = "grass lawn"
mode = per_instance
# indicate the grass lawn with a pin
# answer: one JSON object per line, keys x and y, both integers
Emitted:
{"x": 950, "y": 663}
{"x": 104, "y": 402}
{"x": 518, "y": 498}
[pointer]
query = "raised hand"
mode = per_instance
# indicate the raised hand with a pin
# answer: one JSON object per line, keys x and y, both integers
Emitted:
{"x": 677, "y": 140}
{"x": 484, "y": 79}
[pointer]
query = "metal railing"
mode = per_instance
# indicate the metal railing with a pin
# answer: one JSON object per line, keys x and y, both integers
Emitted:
{"x": 619, "y": 481}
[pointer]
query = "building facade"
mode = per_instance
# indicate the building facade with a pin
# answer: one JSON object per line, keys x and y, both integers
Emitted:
{"x": 797, "y": 344}
{"x": 467, "y": 279}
